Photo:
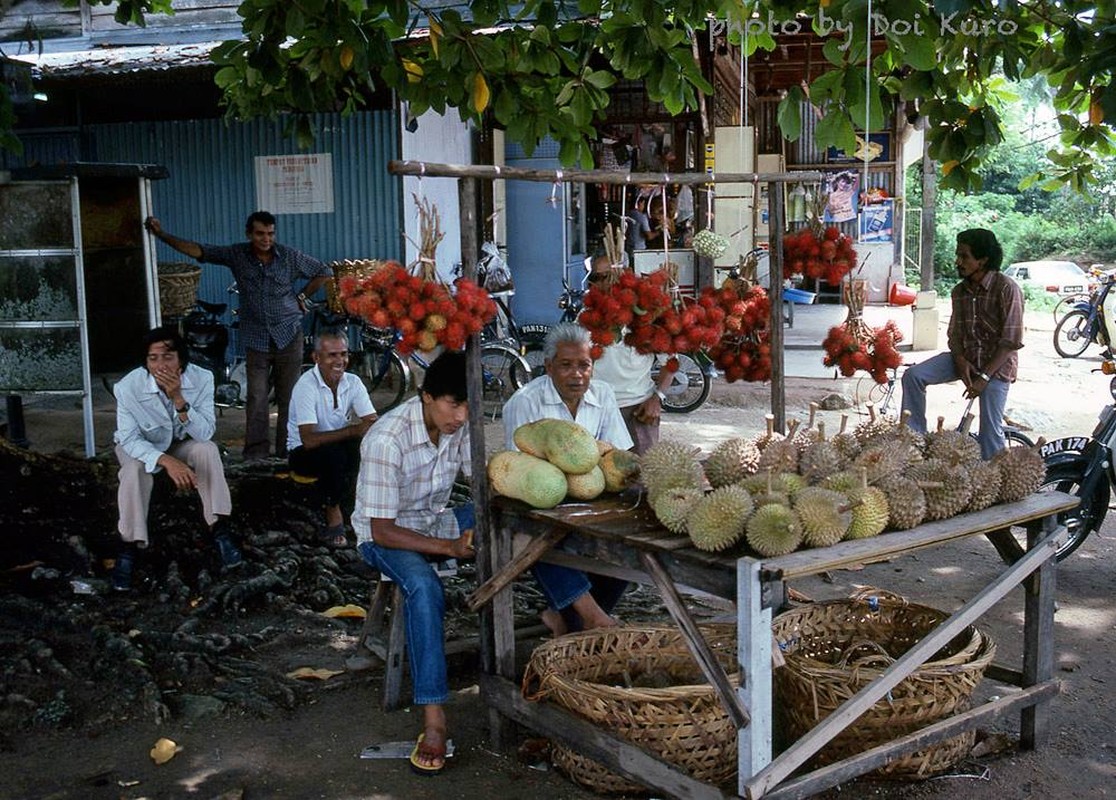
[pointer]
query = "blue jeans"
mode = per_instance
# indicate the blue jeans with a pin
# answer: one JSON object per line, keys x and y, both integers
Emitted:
{"x": 424, "y": 609}
{"x": 563, "y": 585}
{"x": 940, "y": 369}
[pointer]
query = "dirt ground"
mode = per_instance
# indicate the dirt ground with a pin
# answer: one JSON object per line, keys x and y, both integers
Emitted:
{"x": 303, "y": 740}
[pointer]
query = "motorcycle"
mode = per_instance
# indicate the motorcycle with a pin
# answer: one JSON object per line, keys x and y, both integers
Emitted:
{"x": 1088, "y": 322}
{"x": 1084, "y": 466}
{"x": 207, "y": 339}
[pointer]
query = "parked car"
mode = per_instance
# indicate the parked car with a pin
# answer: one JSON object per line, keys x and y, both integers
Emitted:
{"x": 1062, "y": 278}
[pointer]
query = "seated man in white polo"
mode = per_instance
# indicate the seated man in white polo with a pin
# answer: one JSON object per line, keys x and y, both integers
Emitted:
{"x": 329, "y": 414}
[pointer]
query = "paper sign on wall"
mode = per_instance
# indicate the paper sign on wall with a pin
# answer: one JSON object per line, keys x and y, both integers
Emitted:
{"x": 295, "y": 184}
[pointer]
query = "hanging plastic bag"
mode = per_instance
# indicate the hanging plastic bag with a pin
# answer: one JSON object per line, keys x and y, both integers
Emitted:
{"x": 492, "y": 271}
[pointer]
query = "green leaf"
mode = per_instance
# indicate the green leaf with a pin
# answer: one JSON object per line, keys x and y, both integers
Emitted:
{"x": 789, "y": 114}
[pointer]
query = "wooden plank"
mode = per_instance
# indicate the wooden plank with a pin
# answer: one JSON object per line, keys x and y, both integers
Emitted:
{"x": 842, "y": 554}
{"x": 832, "y": 775}
{"x": 754, "y": 651}
{"x": 710, "y": 667}
{"x": 521, "y": 562}
{"x": 1004, "y": 674}
{"x": 1038, "y": 635}
{"x": 548, "y": 720}
{"x": 798, "y": 753}
{"x": 1006, "y": 545}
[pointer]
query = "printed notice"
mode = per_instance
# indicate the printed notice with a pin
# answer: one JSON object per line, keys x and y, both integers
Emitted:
{"x": 297, "y": 184}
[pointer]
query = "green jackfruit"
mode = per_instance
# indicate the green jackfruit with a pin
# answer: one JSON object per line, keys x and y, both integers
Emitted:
{"x": 564, "y": 444}
{"x": 525, "y": 477}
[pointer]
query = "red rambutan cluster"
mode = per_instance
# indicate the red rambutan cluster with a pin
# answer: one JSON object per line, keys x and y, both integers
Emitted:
{"x": 642, "y": 310}
{"x": 854, "y": 346}
{"x": 828, "y": 255}
{"x": 743, "y": 353}
{"x": 425, "y": 312}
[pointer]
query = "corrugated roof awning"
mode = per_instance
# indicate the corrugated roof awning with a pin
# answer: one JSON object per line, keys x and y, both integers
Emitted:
{"x": 118, "y": 60}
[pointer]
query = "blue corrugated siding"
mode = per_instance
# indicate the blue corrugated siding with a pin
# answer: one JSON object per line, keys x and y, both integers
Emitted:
{"x": 212, "y": 187}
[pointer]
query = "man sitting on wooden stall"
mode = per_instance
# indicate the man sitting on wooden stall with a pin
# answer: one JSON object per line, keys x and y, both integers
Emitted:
{"x": 408, "y": 463}
{"x": 330, "y": 412}
{"x": 165, "y": 421}
{"x": 567, "y": 391}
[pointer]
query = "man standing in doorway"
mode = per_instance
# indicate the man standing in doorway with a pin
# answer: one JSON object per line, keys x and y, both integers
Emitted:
{"x": 271, "y": 307}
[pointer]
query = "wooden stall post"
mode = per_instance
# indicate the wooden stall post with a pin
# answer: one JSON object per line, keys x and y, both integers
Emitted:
{"x": 775, "y": 294}
{"x": 1038, "y": 637}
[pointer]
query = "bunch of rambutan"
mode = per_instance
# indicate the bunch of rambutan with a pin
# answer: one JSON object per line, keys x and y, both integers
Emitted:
{"x": 424, "y": 312}
{"x": 646, "y": 313}
{"x": 742, "y": 353}
{"x": 854, "y": 346}
{"x": 818, "y": 253}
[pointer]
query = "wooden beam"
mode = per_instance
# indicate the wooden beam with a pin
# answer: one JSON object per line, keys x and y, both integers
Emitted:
{"x": 522, "y": 561}
{"x": 703, "y": 654}
{"x": 775, "y": 294}
{"x": 834, "y": 774}
{"x": 496, "y": 173}
{"x": 801, "y": 751}
{"x": 1038, "y": 635}
{"x": 589, "y": 740}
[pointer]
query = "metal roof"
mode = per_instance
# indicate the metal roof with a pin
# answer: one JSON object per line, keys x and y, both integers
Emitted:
{"x": 118, "y": 60}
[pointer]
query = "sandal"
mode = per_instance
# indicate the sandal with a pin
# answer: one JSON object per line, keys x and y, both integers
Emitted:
{"x": 333, "y": 537}
{"x": 430, "y": 753}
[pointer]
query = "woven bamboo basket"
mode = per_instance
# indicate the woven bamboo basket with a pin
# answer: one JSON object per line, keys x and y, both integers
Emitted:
{"x": 178, "y": 288}
{"x": 643, "y": 685}
{"x": 344, "y": 269}
{"x": 834, "y": 649}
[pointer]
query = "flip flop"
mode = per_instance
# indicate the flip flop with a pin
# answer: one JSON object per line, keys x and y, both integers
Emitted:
{"x": 430, "y": 752}
{"x": 333, "y": 537}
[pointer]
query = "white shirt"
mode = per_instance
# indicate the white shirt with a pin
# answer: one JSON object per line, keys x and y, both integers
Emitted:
{"x": 312, "y": 404}
{"x": 627, "y": 371}
{"x": 145, "y": 420}
{"x": 597, "y": 412}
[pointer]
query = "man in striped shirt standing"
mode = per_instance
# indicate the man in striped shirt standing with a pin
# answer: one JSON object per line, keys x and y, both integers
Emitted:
{"x": 408, "y": 462}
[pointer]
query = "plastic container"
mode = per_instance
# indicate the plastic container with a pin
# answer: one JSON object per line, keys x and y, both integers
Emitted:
{"x": 902, "y": 295}
{"x": 799, "y": 296}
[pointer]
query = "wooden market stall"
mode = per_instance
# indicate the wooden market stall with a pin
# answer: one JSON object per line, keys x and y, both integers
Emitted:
{"x": 616, "y": 538}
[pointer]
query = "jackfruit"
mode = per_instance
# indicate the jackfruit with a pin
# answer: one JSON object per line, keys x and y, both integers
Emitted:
{"x": 587, "y": 485}
{"x": 526, "y": 477}
{"x": 621, "y": 469}
{"x": 564, "y": 444}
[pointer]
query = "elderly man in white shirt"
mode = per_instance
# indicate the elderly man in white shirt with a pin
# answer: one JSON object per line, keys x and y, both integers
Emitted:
{"x": 330, "y": 412}
{"x": 568, "y": 391}
{"x": 165, "y": 421}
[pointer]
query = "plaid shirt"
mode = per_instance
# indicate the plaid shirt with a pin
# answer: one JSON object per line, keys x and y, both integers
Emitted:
{"x": 985, "y": 318}
{"x": 269, "y": 309}
{"x": 403, "y": 475}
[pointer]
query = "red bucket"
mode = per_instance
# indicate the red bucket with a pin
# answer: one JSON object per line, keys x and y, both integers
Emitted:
{"x": 902, "y": 295}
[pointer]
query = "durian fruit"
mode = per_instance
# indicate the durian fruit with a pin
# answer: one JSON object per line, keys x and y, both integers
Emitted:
{"x": 845, "y": 443}
{"x": 717, "y": 521}
{"x": 672, "y": 506}
{"x": 869, "y": 508}
{"x": 901, "y": 435}
{"x": 843, "y": 481}
{"x": 953, "y": 446}
{"x": 731, "y": 461}
{"x": 945, "y": 485}
{"x": 786, "y": 484}
{"x": 1022, "y": 470}
{"x": 824, "y": 515}
{"x": 670, "y": 465}
{"x": 875, "y": 425}
{"x": 780, "y": 455}
{"x": 882, "y": 459}
{"x": 774, "y": 530}
{"x": 820, "y": 458}
{"x": 986, "y": 480}
{"x": 808, "y": 434}
{"x": 906, "y": 502}
{"x": 770, "y": 435}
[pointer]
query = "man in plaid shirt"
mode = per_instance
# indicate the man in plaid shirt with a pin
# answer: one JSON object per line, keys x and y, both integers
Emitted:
{"x": 985, "y": 334}
{"x": 408, "y": 462}
{"x": 271, "y": 308}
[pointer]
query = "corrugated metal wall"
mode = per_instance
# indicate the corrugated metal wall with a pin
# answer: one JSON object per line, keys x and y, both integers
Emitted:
{"x": 212, "y": 187}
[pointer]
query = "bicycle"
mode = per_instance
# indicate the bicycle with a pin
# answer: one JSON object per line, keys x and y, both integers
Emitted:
{"x": 503, "y": 329}
{"x": 388, "y": 376}
{"x": 1086, "y": 323}
{"x": 882, "y": 397}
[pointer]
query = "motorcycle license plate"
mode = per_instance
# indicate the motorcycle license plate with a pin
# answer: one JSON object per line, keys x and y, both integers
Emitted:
{"x": 1072, "y": 289}
{"x": 1069, "y": 444}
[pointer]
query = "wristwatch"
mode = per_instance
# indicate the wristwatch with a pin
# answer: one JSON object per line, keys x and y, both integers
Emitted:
{"x": 302, "y": 297}
{"x": 185, "y": 408}
{"x": 984, "y": 377}
{"x": 661, "y": 394}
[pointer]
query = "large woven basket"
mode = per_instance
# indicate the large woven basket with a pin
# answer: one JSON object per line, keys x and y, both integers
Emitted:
{"x": 834, "y": 649}
{"x": 178, "y": 288}
{"x": 345, "y": 269}
{"x": 643, "y": 685}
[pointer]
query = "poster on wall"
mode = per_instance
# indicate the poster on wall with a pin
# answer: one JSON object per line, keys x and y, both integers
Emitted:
{"x": 842, "y": 188}
{"x": 877, "y": 221}
{"x": 295, "y": 184}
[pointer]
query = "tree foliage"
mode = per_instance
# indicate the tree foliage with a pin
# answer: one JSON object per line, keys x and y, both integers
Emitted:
{"x": 542, "y": 68}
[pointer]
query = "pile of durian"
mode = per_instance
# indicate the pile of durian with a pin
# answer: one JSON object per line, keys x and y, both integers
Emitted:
{"x": 780, "y": 493}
